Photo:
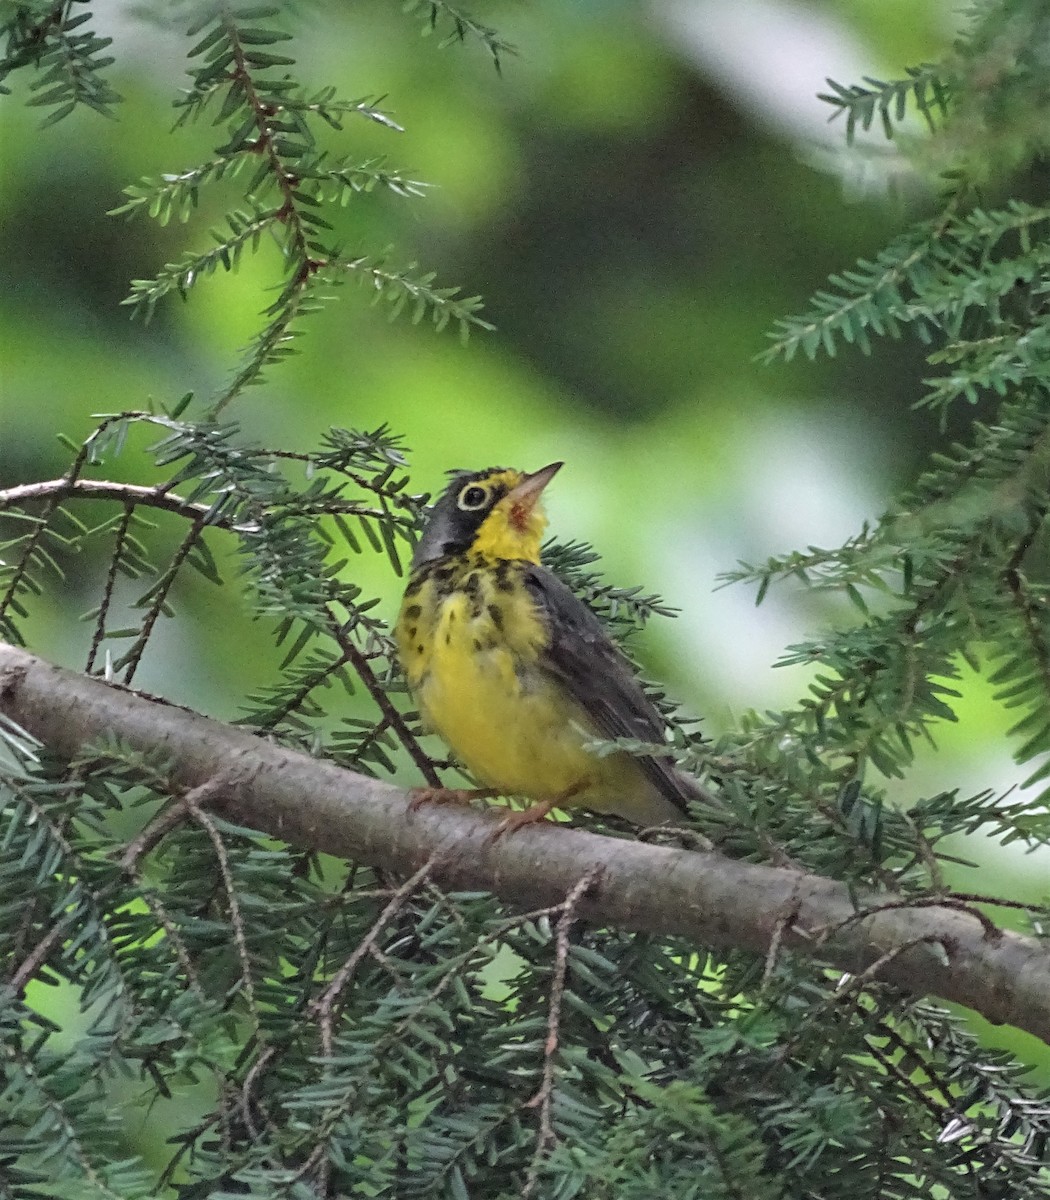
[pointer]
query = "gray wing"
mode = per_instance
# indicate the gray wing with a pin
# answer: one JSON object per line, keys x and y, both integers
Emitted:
{"x": 598, "y": 676}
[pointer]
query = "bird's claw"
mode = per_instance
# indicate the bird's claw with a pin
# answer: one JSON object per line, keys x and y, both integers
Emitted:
{"x": 516, "y": 820}
{"x": 443, "y": 795}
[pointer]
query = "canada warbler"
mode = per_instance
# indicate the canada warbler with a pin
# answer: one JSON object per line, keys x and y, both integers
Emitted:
{"x": 515, "y": 672}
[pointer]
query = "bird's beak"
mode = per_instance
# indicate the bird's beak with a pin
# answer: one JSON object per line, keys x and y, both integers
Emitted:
{"x": 523, "y": 497}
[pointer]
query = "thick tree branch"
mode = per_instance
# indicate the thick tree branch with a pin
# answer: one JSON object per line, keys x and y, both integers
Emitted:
{"x": 931, "y": 949}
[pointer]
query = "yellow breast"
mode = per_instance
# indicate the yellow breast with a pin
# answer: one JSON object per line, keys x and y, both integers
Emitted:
{"x": 470, "y": 643}
{"x": 470, "y": 639}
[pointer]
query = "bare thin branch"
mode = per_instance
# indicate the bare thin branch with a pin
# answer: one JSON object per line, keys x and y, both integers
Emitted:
{"x": 543, "y": 1100}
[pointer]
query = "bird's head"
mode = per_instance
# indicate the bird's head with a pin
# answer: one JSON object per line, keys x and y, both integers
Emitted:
{"x": 495, "y": 513}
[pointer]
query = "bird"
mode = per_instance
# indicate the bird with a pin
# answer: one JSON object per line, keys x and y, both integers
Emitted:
{"x": 515, "y": 673}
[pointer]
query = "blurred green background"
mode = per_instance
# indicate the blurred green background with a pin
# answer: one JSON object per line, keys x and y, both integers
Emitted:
{"x": 638, "y": 196}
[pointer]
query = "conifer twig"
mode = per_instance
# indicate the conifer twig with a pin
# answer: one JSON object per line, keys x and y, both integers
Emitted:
{"x": 545, "y": 1135}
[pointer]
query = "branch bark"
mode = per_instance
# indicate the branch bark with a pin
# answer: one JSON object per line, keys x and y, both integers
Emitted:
{"x": 932, "y": 949}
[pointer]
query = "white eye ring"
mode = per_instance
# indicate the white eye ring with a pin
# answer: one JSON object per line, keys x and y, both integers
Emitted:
{"x": 473, "y": 497}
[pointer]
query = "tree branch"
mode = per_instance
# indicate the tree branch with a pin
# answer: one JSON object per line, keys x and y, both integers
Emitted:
{"x": 133, "y": 495}
{"x": 100, "y": 489}
{"x": 931, "y": 949}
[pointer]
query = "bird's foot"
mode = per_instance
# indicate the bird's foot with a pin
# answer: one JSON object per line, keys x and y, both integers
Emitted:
{"x": 535, "y": 812}
{"x": 443, "y": 795}
{"x": 527, "y": 816}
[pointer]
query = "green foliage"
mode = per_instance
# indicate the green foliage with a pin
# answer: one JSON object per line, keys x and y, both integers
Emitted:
{"x": 924, "y": 89}
{"x": 366, "y": 1036}
{"x": 306, "y": 1027}
{"x": 942, "y": 581}
{"x": 967, "y": 281}
{"x": 953, "y": 573}
{"x": 625, "y": 609}
{"x": 440, "y": 15}
{"x": 271, "y": 125}
{"x": 56, "y": 41}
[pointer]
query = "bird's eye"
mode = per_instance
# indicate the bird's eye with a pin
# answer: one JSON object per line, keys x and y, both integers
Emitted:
{"x": 473, "y": 497}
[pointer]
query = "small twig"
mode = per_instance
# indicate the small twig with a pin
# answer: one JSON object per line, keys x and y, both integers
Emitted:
{"x": 68, "y": 1137}
{"x": 236, "y": 920}
{"x": 39, "y": 954}
{"x": 297, "y": 251}
{"x": 130, "y": 661}
{"x": 785, "y": 919}
{"x": 172, "y": 814}
{"x": 926, "y": 855}
{"x": 247, "y": 1087}
{"x": 154, "y": 831}
{"x": 543, "y": 1099}
{"x": 997, "y": 901}
{"x": 848, "y": 984}
{"x": 109, "y": 586}
{"x": 42, "y": 950}
{"x": 131, "y": 495}
{"x": 387, "y": 963}
{"x": 397, "y": 722}
{"x": 314, "y": 680}
{"x": 136, "y": 495}
{"x": 911, "y": 1052}
{"x": 162, "y": 823}
{"x": 32, "y": 542}
{"x": 991, "y": 930}
{"x": 187, "y": 1138}
{"x": 924, "y": 1098}
{"x": 153, "y": 903}
{"x": 322, "y": 1008}
{"x": 851, "y": 983}
{"x": 26, "y": 924}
